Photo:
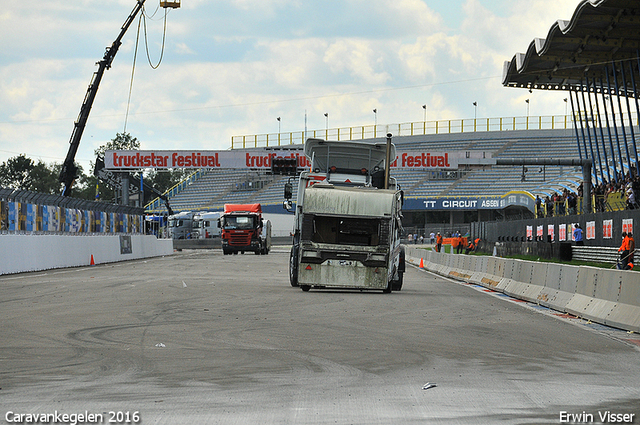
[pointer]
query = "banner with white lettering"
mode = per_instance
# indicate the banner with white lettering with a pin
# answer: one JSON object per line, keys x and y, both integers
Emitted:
{"x": 514, "y": 198}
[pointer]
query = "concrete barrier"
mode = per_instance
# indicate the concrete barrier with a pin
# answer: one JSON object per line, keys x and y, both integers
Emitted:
{"x": 479, "y": 269}
{"x": 626, "y": 312}
{"x": 610, "y": 297}
{"x": 537, "y": 284}
{"x": 566, "y": 287}
{"x": 494, "y": 273}
{"x": 25, "y": 253}
{"x": 585, "y": 291}
{"x": 606, "y": 295}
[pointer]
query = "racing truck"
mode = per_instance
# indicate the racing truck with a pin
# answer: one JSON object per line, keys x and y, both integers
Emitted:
{"x": 347, "y": 223}
{"x": 243, "y": 229}
{"x": 180, "y": 225}
{"x": 204, "y": 225}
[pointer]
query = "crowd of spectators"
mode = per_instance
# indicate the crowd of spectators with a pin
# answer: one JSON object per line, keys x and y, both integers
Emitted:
{"x": 625, "y": 190}
{"x": 627, "y": 187}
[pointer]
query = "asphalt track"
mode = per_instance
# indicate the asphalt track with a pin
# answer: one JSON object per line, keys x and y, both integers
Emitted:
{"x": 202, "y": 338}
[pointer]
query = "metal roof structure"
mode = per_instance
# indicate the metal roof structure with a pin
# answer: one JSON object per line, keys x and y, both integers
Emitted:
{"x": 600, "y": 35}
{"x": 595, "y": 57}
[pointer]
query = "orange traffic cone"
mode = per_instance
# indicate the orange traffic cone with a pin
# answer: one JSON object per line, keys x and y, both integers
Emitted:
{"x": 92, "y": 263}
{"x": 422, "y": 263}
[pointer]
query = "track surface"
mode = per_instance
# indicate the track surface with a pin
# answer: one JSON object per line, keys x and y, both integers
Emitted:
{"x": 199, "y": 337}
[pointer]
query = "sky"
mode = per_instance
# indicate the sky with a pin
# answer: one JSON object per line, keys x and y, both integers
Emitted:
{"x": 232, "y": 68}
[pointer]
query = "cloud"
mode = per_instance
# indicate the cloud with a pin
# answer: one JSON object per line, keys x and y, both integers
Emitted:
{"x": 230, "y": 68}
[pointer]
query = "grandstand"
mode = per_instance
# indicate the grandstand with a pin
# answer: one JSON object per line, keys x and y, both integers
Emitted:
{"x": 214, "y": 188}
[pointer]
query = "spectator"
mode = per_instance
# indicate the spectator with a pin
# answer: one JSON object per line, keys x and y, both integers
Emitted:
{"x": 572, "y": 203}
{"x": 577, "y": 235}
{"x": 460, "y": 243}
{"x": 631, "y": 197}
{"x": 438, "y": 242}
{"x": 433, "y": 238}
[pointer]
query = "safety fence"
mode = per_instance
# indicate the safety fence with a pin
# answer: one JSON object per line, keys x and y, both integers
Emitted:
{"x": 607, "y": 296}
{"x": 24, "y": 211}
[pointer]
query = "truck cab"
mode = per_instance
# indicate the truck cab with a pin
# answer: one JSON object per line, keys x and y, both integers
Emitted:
{"x": 205, "y": 225}
{"x": 242, "y": 228}
{"x": 347, "y": 222}
{"x": 179, "y": 225}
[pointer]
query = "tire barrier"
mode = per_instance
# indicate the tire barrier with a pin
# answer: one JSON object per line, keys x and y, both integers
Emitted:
{"x": 607, "y": 296}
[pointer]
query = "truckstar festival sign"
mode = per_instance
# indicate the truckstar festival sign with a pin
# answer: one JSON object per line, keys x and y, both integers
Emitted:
{"x": 256, "y": 159}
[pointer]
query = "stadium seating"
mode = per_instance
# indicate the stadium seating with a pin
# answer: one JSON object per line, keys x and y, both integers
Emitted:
{"x": 217, "y": 187}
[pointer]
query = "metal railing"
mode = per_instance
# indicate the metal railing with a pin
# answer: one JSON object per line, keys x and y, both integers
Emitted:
{"x": 551, "y": 122}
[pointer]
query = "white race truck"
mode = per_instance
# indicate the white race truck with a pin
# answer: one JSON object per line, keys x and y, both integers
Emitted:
{"x": 205, "y": 225}
{"x": 347, "y": 222}
{"x": 180, "y": 225}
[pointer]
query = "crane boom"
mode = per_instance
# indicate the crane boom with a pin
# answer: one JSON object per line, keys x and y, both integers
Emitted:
{"x": 69, "y": 170}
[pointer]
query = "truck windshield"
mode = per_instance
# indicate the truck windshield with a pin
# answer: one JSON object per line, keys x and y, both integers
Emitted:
{"x": 238, "y": 223}
{"x": 346, "y": 231}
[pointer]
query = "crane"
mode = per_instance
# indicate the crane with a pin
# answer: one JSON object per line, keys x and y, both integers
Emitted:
{"x": 69, "y": 170}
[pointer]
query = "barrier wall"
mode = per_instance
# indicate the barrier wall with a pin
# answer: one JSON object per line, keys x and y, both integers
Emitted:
{"x": 24, "y": 253}
{"x": 607, "y": 296}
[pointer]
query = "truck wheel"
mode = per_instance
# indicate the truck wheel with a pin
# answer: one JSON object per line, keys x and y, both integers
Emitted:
{"x": 397, "y": 284}
{"x": 293, "y": 267}
{"x": 305, "y": 288}
{"x": 389, "y": 287}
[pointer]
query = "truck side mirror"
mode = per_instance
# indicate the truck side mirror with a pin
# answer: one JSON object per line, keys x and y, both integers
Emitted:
{"x": 287, "y": 205}
{"x": 288, "y": 191}
{"x": 219, "y": 225}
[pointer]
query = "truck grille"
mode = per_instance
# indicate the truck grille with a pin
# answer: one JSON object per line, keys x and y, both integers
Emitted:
{"x": 240, "y": 239}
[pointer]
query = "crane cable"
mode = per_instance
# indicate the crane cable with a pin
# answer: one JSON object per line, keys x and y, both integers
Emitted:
{"x": 135, "y": 55}
{"x": 146, "y": 41}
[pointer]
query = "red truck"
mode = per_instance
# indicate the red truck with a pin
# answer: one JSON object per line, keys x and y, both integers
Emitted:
{"x": 242, "y": 228}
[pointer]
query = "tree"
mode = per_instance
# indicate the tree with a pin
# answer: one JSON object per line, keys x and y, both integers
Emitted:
{"x": 45, "y": 178}
{"x": 15, "y": 173}
{"x": 122, "y": 141}
{"x": 22, "y": 173}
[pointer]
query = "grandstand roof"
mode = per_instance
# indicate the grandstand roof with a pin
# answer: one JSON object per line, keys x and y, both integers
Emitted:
{"x": 599, "y": 33}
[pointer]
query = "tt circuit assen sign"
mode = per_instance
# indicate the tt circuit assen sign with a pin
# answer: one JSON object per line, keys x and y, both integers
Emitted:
{"x": 261, "y": 159}
{"x": 514, "y": 198}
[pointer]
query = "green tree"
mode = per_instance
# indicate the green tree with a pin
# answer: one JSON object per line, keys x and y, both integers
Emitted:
{"x": 22, "y": 173}
{"x": 15, "y": 173}
{"x": 45, "y": 178}
{"x": 122, "y": 141}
